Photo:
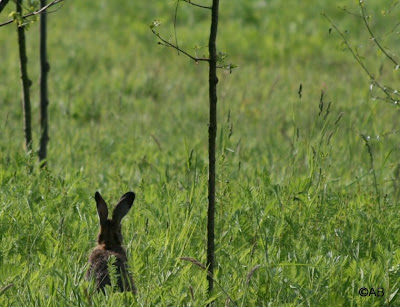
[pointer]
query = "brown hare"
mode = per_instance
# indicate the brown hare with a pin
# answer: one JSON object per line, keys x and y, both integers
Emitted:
{"x": 110, "y": 244}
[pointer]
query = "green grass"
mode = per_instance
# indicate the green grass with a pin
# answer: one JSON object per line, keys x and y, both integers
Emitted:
{"x": 300, "y": 219}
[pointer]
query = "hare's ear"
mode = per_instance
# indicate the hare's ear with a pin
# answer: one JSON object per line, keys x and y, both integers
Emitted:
{"x": 123, "y": 206}
{"x": 102, "y": 210}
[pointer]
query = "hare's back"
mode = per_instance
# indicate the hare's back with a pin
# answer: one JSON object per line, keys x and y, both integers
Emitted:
{"x": 100, "y": 257}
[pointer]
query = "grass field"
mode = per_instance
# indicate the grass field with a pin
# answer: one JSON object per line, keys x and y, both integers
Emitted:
{"x": 307, "y": 214}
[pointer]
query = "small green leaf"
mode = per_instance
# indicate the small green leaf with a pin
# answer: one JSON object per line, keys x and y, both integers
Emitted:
{"x": 221, "y": 56}
{"x": 155, "y": 23}
{"x": 13, "y": 14}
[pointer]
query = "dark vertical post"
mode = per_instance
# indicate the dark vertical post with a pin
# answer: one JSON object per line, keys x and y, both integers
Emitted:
{"x": 212, "y": 133}
{"x": 26, "y": 83}
{"x": 44, "y": 69}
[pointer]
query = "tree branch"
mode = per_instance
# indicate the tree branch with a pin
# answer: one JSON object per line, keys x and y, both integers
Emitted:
{"x": 349, "y": 47}
{"x": 373, "y": 36}
{"x": 168, "y": 44}
{"x": 384, "y": 89}
{"x": 351, "y": 13}
{"x": 41, "y": 11}
{"x": 175, "y": 20}
{"x": 198, "y": 5}
{"x": 3, "y": 3}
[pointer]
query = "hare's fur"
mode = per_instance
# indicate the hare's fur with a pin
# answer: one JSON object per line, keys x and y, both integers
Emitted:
{"x": 110, "y": 244}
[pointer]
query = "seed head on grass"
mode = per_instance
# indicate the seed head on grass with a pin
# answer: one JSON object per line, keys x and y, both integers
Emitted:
{"x": 339, "y": 117}
{"x": 5, "y": 288}
{"x": 194, "y": 261}
{"x": 251, "y": 273}
{"x": 321, "y": 103}
{"x": 191, "y": 292}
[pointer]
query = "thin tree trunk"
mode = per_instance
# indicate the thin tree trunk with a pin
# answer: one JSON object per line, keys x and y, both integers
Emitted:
{"x": 44, "y": 69}
{"x": 3, "y": 3}
{"x": 212, "y": 133}
{"x": 26, "y": 83}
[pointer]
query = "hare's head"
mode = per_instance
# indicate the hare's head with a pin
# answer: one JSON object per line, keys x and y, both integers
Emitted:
{"x": 110, "y": 235}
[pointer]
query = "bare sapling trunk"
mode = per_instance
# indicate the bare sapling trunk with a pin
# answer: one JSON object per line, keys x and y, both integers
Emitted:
{"x": 212, "y": 133}
{"x": 44, "y": 69}
{"x": 3, "y": 4}
{"x": 26, "y": 83}
{"x": 213, "y": 62}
